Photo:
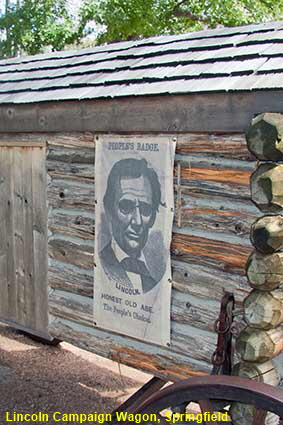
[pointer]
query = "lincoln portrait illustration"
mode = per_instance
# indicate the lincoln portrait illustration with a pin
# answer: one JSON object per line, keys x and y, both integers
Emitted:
{"x": 131, "y": 260}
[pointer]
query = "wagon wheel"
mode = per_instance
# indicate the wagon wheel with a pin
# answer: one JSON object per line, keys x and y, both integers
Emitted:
{"x": 204, "y": 390}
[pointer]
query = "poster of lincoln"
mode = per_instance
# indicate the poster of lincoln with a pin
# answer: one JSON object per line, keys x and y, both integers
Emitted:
{"x": 133, "y": 227}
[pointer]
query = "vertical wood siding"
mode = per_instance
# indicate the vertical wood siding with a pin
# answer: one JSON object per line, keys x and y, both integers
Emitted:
{"x": 23, "y": 237}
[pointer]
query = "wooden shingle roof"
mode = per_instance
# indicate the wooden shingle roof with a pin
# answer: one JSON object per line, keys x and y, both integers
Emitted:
{"x": 248, "y": 58}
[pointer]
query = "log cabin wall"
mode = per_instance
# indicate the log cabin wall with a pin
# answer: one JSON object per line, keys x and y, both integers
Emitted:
{"x": 210, "y": 247}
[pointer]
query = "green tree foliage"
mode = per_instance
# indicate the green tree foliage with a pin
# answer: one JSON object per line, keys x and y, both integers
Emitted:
{"x": 35, "y": 24}
{"x": 133, "y": 19}
{"x": 31, "y": 25}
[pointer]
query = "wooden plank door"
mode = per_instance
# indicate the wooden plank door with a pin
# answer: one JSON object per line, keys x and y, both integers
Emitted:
{"x": 23, "y": 238}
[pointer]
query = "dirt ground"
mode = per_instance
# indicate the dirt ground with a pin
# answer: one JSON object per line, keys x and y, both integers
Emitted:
{"x": 38, "y": 378}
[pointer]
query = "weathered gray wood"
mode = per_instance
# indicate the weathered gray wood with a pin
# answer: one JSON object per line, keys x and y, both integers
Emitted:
{"x": 71, "y": 278}
{"x": 255, "y": 345}
{"x": 264, "y": 310}
{"x": 186, "y": 309}
{"x": 218, "y": 215}
{"x": 29, "y": 253}
{"x": 204, "y": 251}
{"x": 233, "y": 183}
{"x": 78, "y": 140}
{"x": 70, "y": 171}
{"x": 214, "y": 162}
{"x": 24, "y": 217}
{"x": 40, "y": 238}
{"x": 76, "y": 154}
{"x": 18, "y": 155}
{"x": 267, "y": 187}
{"x": 194, "y": 280}
{"x": 265, "y": 272}
{"x": 220, "y": 112}
{"x": 4, "y": 235}
{"x": 78, "y": 147}
{"x": 232, "y": 146}
{"x": 190, "y": 333}
{"x": 265, "y": 137}
{"x": 207, "y": 282}
{"x": 27, "y": 329}
{"x": 18, "y": 143}
{"x": 71, "y": 194}
{"x": 267, "y": 234}
{"x": 74, "y": 251}
{"x": 12, "y": 287}
{"x": 79, "y": 224}
{"x": 159, "y": 361}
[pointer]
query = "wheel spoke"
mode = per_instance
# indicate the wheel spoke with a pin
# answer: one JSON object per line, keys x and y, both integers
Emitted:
{"x": 206, "y": 406}
{"x": 259, "y": 417}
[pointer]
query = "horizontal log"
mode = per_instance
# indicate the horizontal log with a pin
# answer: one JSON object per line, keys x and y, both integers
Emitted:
{"x": 197, "y": 249}
{"x": 75, "y": 252}
{"x": 231, "y": 183}
{"x": 70, "y": 155}
{"x": 70, "y": 171}
{"x": 158, "y": 361}
{"x": 264, "y": 310}
{"x": 265, "y": 272}
{"x": 20, "y": 143}
{"x": 72, "y": 139}
{"x": 65, "y": 276}
{"x": 220, "y": 145}
{"x": 72, "y": 307}
{"x": 267, "y": 234}
{"x": 217, "y": 219}
{"x": 79, "y": 224}
{"x": 200, "y": 144}
{"x": 267, "y": 187}
{"x": 206, "y": 282}
{"x": 77, "y": 139}
{"x": 261, "y": 372}
{"x": 71, "y": 194}
{"x": 221, "y": 200}
{"x": 194, "y": 311}
{"x": 186, "y": 309}
{"x": 215, "y": 163}
{"x": 185, "y": 247}
{"x": 222, "y": 112}
{"x": 186, "y": 338}
{"x": 216, "y": 189}
{"x": 201, "y": 282}
{"x": 235, "y": 177}
{"x": 265, "y": 137}
{"x": 255, "y": 345}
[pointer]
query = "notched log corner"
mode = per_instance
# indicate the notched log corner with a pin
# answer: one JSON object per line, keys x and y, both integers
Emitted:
{"x": 267, "y": 234}
{"x": 265, "y": 272}
{"x": 267, "y": 187}
{"x": 265, "y": 137}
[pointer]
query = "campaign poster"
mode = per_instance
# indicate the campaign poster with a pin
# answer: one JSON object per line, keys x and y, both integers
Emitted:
{"x": 134, "y": 209}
